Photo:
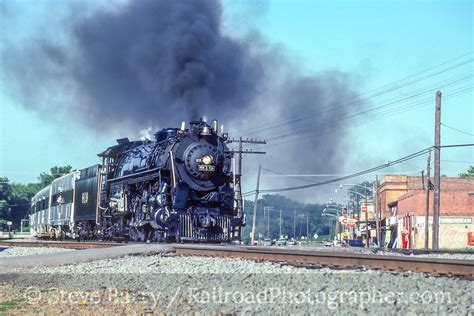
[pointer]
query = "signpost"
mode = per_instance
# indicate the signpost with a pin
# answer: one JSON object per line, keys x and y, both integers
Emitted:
{"x": 9, "y": 224}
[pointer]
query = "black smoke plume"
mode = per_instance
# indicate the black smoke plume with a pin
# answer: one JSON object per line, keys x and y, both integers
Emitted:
{"x": 159, "y": 62}
{"x": 150, "y": 60}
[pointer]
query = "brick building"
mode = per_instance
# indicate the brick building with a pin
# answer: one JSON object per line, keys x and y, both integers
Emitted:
{"x": 402, "y": 208}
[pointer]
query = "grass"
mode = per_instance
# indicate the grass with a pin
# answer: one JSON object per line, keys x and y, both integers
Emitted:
{"x": 8, "y": 305}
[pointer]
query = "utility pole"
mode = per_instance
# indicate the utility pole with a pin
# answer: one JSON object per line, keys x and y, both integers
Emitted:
{"x": 255, "y": 205}
{"x": 427, "y": 207}
{"x": 294, "y": 226}
{"x": 307, "y": 226}
{"x": 358, "y": 213}
{"x": 367, "y": 239}
{"x": 280, "y": 225}
{"x": 376, "y": 207}
{"x": 350, "y": 214}
{"x": 264, "y": 219}
{"x": 338, "y": 230}
{"x": 268, "y": 222}
{"x": 437, "y": 180}
{"x": 301, "y": 227}
{"x": 238, "y": 175}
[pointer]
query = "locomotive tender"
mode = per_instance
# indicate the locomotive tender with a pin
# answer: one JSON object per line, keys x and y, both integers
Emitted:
{"x": 178, "y": 187}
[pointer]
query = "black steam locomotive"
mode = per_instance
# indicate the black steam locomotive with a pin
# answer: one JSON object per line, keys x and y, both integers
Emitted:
{"x": 178, "y": 187}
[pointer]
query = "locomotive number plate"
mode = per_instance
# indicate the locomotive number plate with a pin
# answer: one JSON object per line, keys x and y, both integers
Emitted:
{"x": 206, "y": 168}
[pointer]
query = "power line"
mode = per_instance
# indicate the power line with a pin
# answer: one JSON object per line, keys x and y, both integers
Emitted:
{"x": 383, "y": 106}
{"x": 357, "y": 174}
{"x": 457, "y": 161}
{"x": 353, "y": 119}
{"x": 371, "y": 111}
{"x": 367, "y": 171}
{"x": 295, "y": 119}
{"x": 456, "y": 145}
{"x": 356, "y": 121}
{"x": 387, "y": 113}
{"x": 457, "y": 130}
{"x": 281, "y": 174}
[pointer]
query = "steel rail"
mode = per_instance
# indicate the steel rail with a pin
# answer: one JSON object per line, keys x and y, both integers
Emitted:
{"x": 435, "y": 266}
{"x": 293, "y": 256}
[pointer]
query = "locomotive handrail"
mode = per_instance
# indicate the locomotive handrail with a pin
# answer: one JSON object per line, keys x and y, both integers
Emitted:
{"x": 133, "y": 174}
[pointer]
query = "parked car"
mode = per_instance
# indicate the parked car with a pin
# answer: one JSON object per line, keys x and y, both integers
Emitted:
{"x": 291, "y": 242}
{"x": 281, "y": 242}
{"x": 356, "y": 243}
{"x": 267, "y": 242}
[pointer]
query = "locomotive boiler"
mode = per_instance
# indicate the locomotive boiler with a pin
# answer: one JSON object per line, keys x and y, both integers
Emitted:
{"x": 177, "y": 187}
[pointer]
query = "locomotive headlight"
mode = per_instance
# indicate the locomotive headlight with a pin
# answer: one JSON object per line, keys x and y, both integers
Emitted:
{"x": 207, "y": 160}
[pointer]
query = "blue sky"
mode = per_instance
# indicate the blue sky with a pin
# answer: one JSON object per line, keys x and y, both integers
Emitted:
{"x": 379, "y": 42}
{"x": 375, "y": 42}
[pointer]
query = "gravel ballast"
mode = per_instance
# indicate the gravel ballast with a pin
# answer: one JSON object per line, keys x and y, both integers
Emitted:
{"x": 29, "y": 251}
{"x": 174, "y": 284}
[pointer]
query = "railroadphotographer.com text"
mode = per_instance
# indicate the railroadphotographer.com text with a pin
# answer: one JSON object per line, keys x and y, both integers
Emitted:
{"x": 221, "y": 296}
{"x": 332, "y": 299}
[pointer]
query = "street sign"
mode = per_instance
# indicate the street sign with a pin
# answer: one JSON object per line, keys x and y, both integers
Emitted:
{"x": 363, "y": 208}
{"x": 345, "y": 220}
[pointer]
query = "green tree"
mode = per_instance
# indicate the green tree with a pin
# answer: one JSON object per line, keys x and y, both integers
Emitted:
{"x": 468, "y": 174}
{"x": 360, "y": 188}
{"x": 363, "y": 189}
{"x": 25, "y": 191}
{"x": 5, "y": 198}
{"x": 56, "y": 172}
{"x": 15, "y": 198}
{"x": 308, "y": 218}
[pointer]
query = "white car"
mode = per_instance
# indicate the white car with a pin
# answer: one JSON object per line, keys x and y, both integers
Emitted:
{"x": 281, "y": 242}
{"x": 267, "y": 242}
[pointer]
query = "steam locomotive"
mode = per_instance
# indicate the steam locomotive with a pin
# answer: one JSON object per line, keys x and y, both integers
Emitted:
{"x": 176, "y": 188}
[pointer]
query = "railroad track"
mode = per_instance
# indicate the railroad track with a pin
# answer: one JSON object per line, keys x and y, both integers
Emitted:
{"x": 336, "y": 259}
{"x": 298, "y": 257}
{"x": 58, "y": 244}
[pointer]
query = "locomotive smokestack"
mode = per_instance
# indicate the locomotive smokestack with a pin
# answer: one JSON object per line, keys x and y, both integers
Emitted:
{"x": 183, "y": 126}
{"x": 205, "y": 131}
{"x": 215, "y": 126}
